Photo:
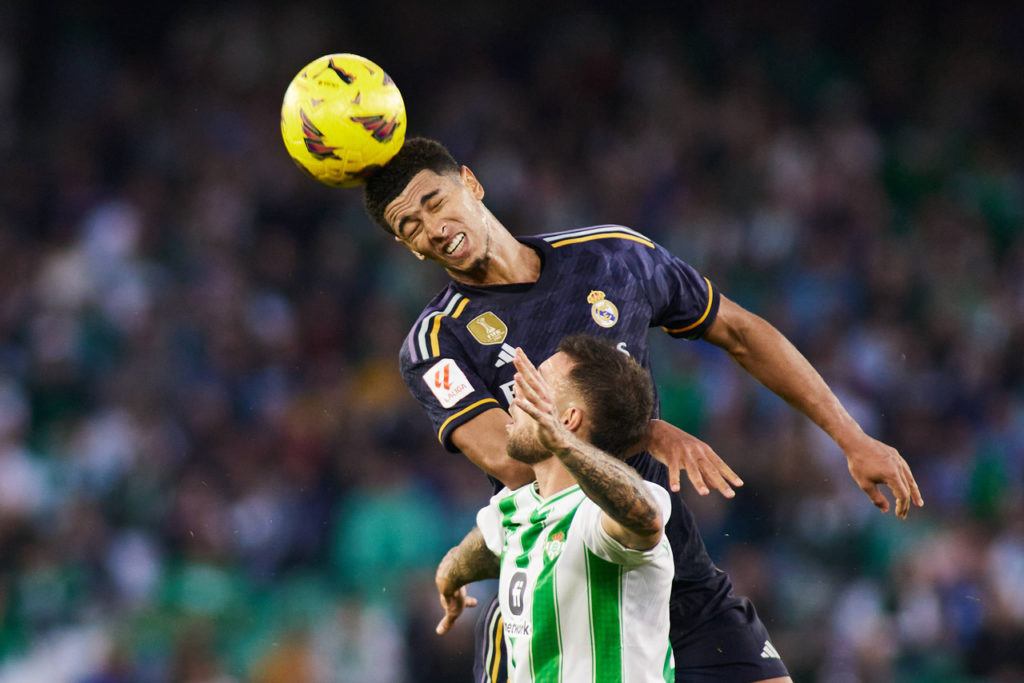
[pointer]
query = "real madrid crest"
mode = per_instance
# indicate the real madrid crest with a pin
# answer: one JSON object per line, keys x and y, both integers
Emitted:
{"x": 604, "y": 312}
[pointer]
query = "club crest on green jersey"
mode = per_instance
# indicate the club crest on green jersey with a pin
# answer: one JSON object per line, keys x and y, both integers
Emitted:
{"x": 603, "y": 311}
{"x": 553, "y": 548}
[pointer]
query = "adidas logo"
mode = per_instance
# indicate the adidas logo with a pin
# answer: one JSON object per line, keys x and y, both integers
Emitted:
{"x": 505, "y": 355}
{"x": 769, "y": 651}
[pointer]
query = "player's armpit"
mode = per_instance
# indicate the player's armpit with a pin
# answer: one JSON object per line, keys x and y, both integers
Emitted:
{"x": 483, "y": 439}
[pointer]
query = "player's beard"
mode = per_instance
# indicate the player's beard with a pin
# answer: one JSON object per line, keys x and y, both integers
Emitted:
{"x": 525, "y": 449}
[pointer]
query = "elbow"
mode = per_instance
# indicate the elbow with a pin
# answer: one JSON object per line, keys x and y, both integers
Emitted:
{"x": 657, "y": 525}
{"x": 651, "y": 536}
{"x": 650, "y": 523}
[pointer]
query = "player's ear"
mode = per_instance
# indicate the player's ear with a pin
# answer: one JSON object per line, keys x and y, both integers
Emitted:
{"x": 572, "y": 418}
{"x": 476, "y": 190}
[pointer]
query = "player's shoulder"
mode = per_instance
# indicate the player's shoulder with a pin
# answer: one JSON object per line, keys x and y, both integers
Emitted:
{"x": 429, "y": 338}
{"x": 608, "y": 237}
{"x": 441, "y": 304}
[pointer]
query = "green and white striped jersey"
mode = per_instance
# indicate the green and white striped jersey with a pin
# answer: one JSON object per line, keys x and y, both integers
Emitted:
{"x": 578, "y": 606}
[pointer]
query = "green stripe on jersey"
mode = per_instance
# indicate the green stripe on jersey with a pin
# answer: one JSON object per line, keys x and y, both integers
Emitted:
{"x": 668, "y": 672}
{"x": 546, "y": 641}
{"x": 604, "y": 589}
{"x": 507, "y": 507}
{"x": 528, "y": 539}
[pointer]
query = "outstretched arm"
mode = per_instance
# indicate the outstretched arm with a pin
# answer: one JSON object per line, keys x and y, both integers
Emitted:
{"x": 631, "y": 514}
{"x": 768, "y": 356}
{"x": 469, "y": 561}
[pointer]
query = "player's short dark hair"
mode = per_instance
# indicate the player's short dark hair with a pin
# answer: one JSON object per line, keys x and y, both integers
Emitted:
{"x": 616, "y": 389}
{"x": 387, "y": 182}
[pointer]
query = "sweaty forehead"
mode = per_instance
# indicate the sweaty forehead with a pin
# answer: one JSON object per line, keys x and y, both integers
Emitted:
{"x": 408, "y": 200}
{"x": 556, "y": 367}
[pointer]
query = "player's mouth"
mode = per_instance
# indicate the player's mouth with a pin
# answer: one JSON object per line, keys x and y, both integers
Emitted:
{"x": 455, "y": 243}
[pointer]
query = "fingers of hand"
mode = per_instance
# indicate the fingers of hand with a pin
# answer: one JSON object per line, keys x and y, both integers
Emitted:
{"x": 445, "y": 624}
{"x": 876, "y": 497}
{"x": 915, "y": 492}
{"x": 727, "y": 472}
{"x": 453, "y": 606}
{"x": 918, "y": 498}
{"x": 673, "y": 478}
{"x": 533, "y": 378}
{"x": 707, "y": 471}
{"x": 715, "y": 480}
{"x": 522, "y": 363}
{"x": 904, "y": 487}
{"x": 527, "y": 389}
{"x": 901, "y": 491}
{"x": 529, "y": 407}
{"x": 697, "y": 481}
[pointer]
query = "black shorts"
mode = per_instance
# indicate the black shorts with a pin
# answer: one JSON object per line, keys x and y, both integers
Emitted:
{"x": 489, "y": 658}
{"x": 733, "y": 647}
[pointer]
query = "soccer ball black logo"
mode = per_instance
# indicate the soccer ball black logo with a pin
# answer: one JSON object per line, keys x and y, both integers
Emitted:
{"x": 516, "y": 591}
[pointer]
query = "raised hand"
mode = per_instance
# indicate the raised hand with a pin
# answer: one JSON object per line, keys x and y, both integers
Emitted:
{"x": 535, "y": 397}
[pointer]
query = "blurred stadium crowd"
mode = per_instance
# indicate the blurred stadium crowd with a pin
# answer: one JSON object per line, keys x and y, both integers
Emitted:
{"x": 209, "y": 467}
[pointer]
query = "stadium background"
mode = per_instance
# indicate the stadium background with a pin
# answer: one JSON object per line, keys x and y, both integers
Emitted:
{"x": 209, "y": 468}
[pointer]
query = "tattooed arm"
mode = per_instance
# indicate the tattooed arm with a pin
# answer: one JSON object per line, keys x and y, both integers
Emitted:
{"x": 631, "y": 513}
{"x": 469, "y": 561}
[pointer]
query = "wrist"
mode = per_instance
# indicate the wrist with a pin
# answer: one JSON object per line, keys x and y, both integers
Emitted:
{"x": 443, "y": 577}
{"x": 848, "y": 438}
{"x": 647, "y": 442}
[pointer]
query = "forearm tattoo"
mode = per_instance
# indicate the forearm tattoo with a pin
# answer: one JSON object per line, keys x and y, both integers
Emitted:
{"x": 614, "y": 486}
{"x": 469, "y": 561}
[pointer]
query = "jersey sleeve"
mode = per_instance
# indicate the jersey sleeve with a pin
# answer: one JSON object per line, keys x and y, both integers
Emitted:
{"x": 488, "y": 520}
{"x": 683, "y": 302}
{"x": 441, "y": 378}
{"x": 607, "y": 548}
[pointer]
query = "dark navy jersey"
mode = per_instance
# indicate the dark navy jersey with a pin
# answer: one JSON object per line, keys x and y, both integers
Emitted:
{"x": 608, "y": 281}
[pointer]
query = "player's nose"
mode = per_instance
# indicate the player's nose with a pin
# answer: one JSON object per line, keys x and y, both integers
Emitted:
{"x": 436, "y": 227}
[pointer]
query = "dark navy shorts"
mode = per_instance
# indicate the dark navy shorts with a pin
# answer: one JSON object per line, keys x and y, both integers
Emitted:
{"x": 489, "y": 660}
{"x": 731, "y": 648}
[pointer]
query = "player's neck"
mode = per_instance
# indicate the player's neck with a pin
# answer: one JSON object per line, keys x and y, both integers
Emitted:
{"x": 506, "y": 262}
{"x": 552, "y": 477}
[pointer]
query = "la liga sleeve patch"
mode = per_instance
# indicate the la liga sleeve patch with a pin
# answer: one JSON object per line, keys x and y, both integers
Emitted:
{"x": 448, "y": 382}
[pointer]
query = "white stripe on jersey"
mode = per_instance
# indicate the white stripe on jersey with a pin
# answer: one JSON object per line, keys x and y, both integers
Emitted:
{"x": 591, "y": 231}
{"x": 421, "y": 336}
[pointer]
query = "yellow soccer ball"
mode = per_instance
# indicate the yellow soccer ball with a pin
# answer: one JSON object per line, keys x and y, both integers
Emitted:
{"x": 341, "y": 118}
